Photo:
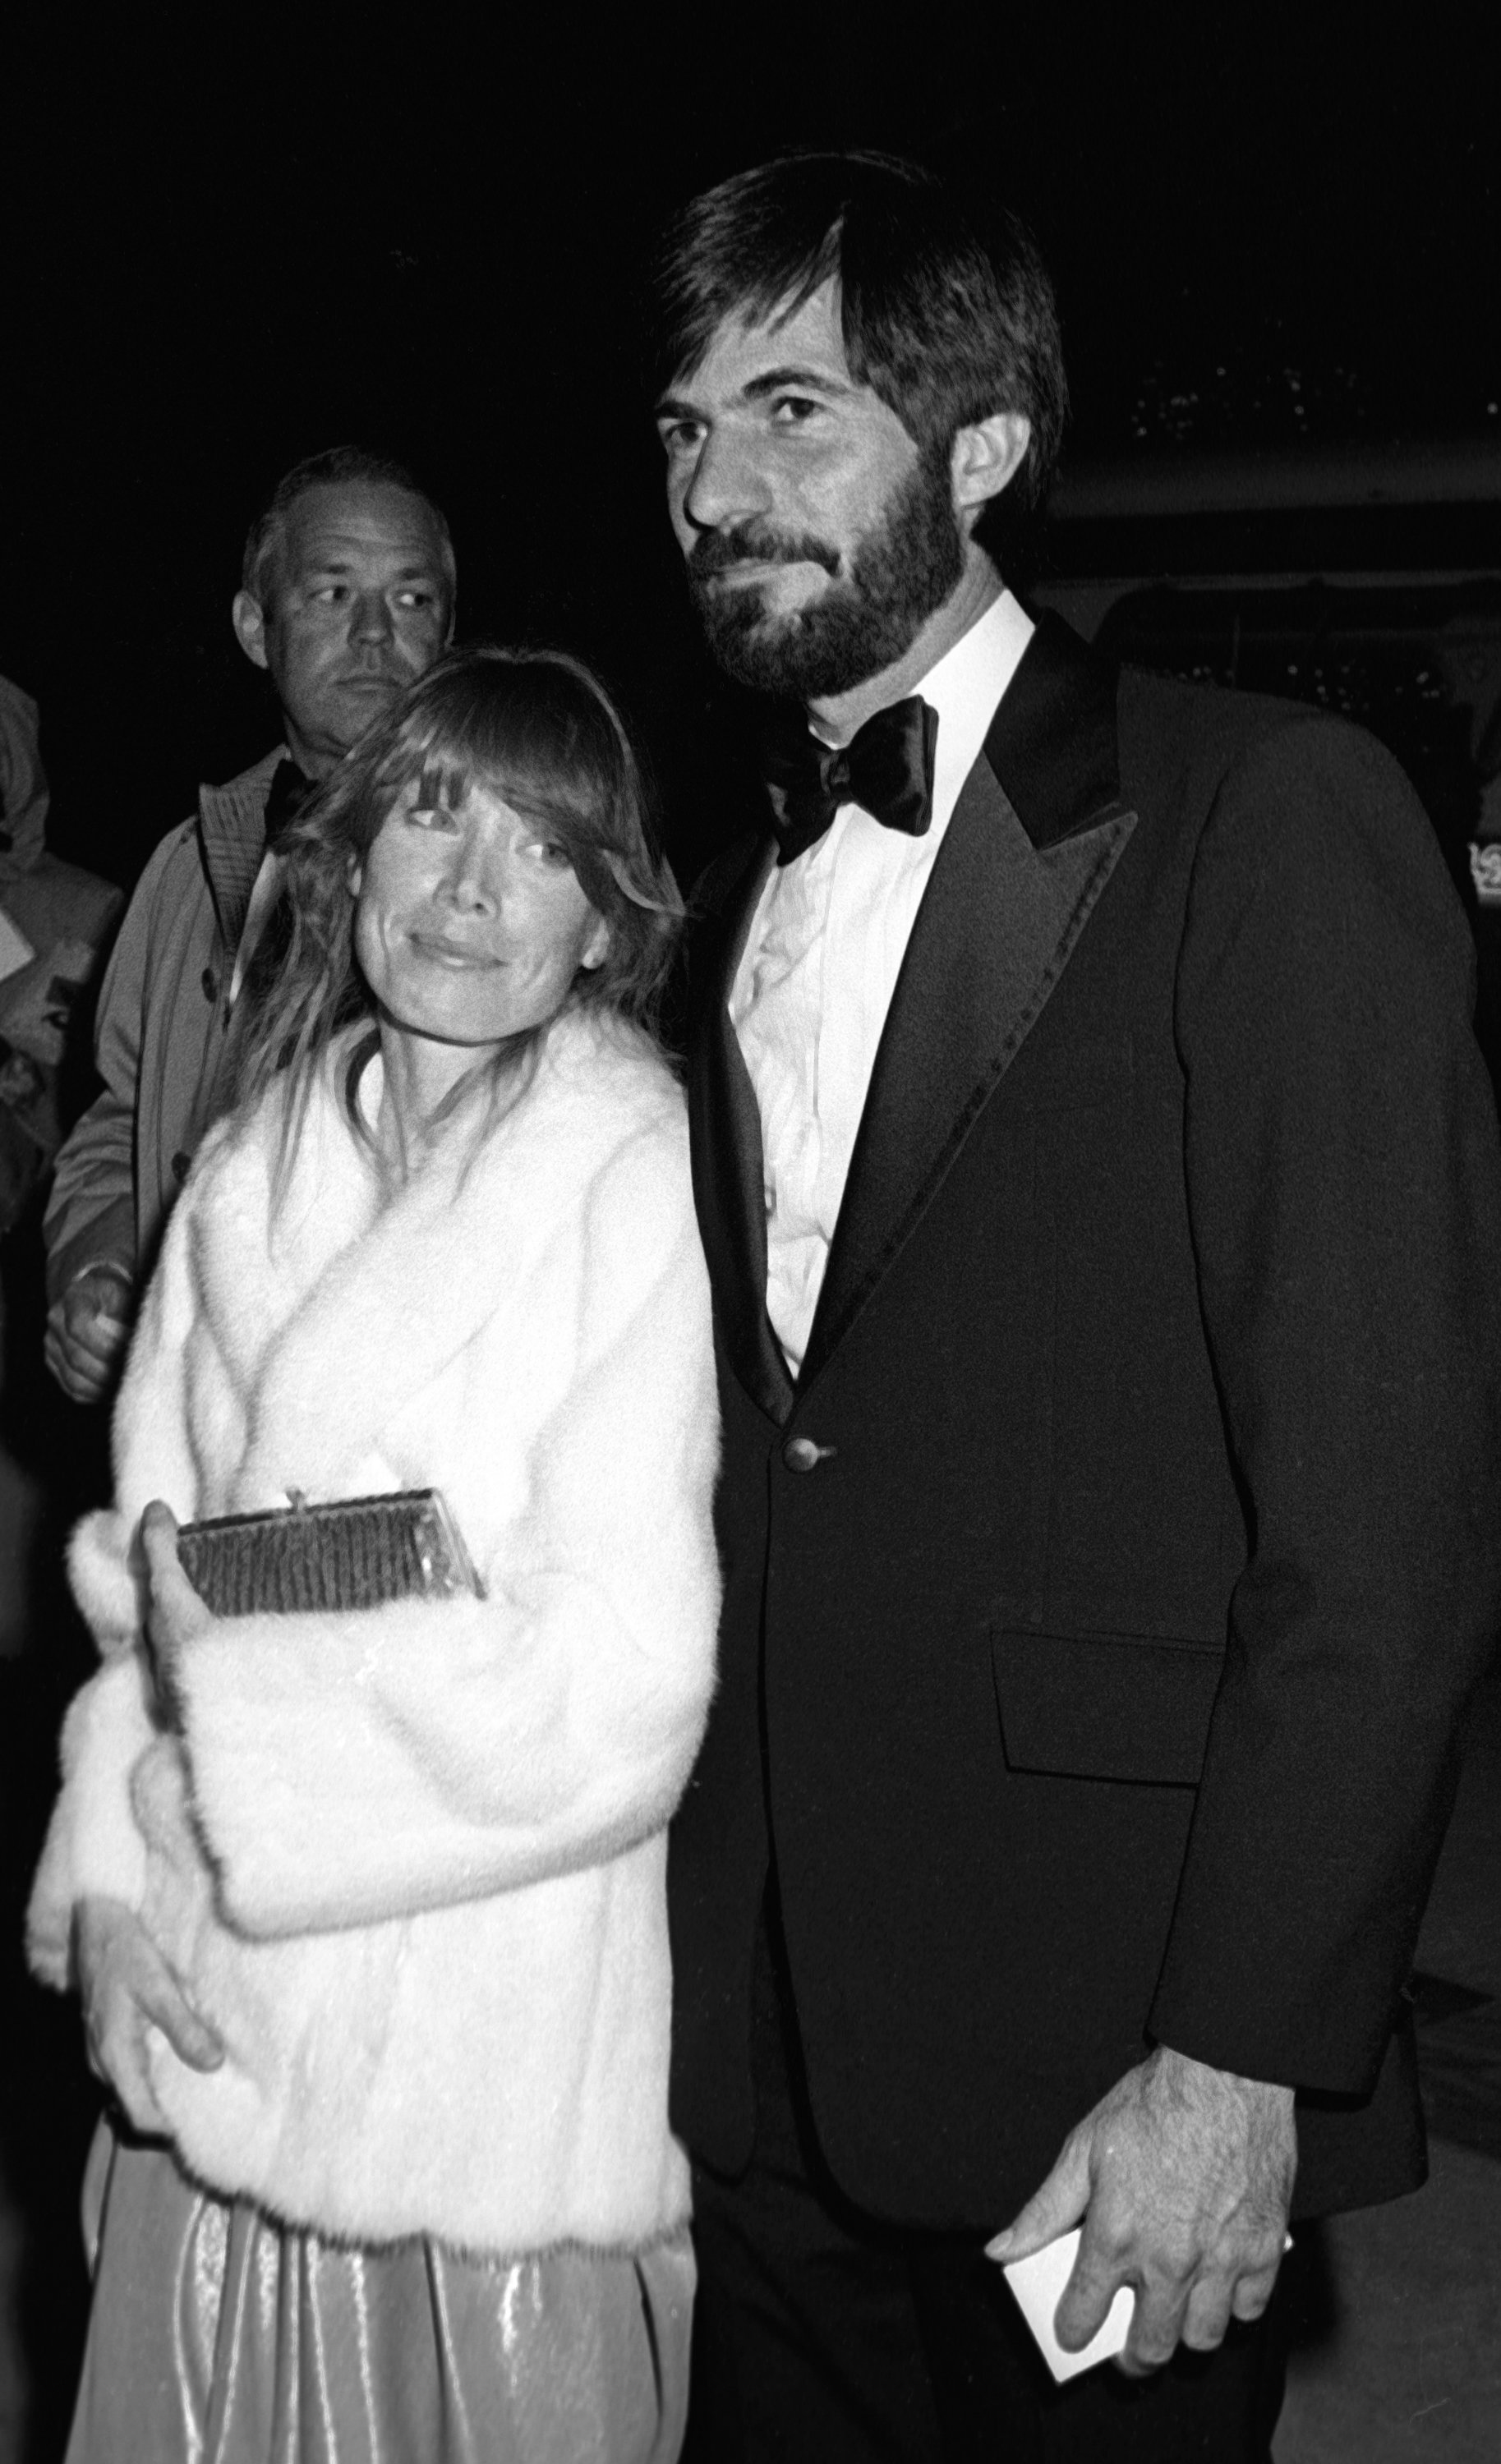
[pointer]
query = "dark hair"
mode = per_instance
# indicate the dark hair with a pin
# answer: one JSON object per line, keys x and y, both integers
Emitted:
{"x": 946, "y": 331}
{"x": 538, "y": 728}
{"x": 342, "y": 466}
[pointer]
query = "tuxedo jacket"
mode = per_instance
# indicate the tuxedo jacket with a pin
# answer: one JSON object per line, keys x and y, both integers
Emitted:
{"x": 1102, "y": 1598}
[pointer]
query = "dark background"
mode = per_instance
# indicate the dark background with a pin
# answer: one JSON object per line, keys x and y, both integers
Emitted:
{"x": 228, "y": 248}
{"x": 227, "y": 245}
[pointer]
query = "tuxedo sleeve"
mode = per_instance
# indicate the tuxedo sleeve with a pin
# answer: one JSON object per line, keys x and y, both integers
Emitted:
{"x": 1344, "y": 1187}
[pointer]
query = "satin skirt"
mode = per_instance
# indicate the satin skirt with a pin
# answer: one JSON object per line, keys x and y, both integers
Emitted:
{"x": 219, "y": 2337}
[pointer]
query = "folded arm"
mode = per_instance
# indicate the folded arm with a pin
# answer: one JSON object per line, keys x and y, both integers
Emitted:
{"x": 348, "y": 1768}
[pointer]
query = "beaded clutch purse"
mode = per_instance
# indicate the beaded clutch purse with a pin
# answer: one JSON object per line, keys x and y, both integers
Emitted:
{"x": 350, "y": 1555}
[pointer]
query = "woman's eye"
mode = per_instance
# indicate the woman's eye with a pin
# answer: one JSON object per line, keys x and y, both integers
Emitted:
{"x": 550, "y": 855}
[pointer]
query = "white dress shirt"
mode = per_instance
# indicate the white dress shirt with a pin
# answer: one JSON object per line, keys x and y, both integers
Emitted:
{"x": 820, "y": 965}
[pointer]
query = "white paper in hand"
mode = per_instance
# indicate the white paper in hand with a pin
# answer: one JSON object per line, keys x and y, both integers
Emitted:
{"x": 1038, "y": 2283}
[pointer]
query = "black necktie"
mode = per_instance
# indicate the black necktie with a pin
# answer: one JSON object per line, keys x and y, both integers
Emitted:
{"x": 289, "y": 791}
{"x": 886, "y": 769}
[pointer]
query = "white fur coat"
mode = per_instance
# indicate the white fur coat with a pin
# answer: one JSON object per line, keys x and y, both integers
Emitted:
{"x": 429, "y": 1925}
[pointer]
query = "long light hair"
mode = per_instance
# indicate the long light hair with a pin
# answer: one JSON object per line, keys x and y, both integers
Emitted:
{"x": 537, "y": 729}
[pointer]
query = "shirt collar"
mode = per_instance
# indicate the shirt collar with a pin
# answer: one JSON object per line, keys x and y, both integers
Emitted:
{"x": 965, "y": 688}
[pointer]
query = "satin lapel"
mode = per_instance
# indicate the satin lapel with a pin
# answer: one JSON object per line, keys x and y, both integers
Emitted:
{"x": 1001, "y": 917}
{"x": 729, "y": 1171}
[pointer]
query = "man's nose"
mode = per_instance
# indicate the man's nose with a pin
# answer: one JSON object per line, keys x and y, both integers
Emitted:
{"x": 729, "y": 483}
{"x": 371, "y": 618}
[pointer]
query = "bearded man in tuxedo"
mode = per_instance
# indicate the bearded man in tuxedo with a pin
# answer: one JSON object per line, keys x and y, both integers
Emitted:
{"x": 1101, "y": 1192}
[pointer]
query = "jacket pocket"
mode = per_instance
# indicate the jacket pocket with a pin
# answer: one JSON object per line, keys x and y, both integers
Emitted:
{"x": 1105, "y": 1706}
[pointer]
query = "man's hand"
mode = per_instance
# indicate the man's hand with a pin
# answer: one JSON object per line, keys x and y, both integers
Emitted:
{"x": 1183, "y": 2176}
{"x": 126, "y": 1987}
{"x": 86, "y": 1331}
{"x": 175, "y": 1614}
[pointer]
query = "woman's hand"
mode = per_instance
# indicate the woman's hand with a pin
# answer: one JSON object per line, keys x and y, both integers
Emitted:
{"x": 175, "y": 1614}
{"x": 126, "y": 1987}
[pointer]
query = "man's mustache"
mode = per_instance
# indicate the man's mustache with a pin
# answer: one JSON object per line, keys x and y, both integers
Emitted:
{"x": 753, "y": 543}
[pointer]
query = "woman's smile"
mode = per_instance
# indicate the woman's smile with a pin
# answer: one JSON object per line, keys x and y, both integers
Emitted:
{"x": 471, "y": 925}
{"x": 444, "y": 953}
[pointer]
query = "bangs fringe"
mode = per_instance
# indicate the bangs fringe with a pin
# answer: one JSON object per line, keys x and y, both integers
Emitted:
{"x": 535, "y": 728}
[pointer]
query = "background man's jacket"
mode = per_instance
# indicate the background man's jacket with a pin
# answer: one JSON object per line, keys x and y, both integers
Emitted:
{"x": 160, "y": 1037}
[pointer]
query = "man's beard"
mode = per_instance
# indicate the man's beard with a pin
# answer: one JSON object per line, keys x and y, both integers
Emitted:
{"x": 900, "y": 572}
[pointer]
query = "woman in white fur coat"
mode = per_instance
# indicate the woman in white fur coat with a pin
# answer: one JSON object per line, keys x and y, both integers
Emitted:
{"x": 367, "y": 1907}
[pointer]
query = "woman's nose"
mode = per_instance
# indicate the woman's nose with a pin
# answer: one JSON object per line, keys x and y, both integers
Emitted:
{"x": 475, "y": 880}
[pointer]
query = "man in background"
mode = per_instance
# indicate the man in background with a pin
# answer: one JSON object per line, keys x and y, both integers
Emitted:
{"x": 347, "y": 596}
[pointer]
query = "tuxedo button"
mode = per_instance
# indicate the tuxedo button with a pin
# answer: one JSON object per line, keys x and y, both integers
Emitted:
{"x": 802, "y": 1454}
{"x": 180, "y": 1165}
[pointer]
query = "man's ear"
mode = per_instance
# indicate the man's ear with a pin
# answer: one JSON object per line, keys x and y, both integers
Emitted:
{"x": 986, "y": 458}
{"x": 250, "y": 628}
{"x": 597, "y": 945}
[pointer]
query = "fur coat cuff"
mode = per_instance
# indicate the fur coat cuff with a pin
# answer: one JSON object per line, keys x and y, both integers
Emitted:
{"x": 105, "y": 1581}
{"x": 94, "y": 1846}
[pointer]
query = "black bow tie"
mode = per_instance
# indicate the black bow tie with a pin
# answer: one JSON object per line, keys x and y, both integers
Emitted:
{"x": 289, "y": 791}
{"x": 886, "y": 769}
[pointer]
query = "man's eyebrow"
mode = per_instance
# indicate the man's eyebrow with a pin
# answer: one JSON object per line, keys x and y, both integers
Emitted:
{"x": 795, "y": 379}
{"x": 790, "y": 379}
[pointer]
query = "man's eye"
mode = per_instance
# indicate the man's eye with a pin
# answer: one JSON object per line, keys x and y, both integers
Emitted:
{"x": 417, "y": 598}
{"x": 330, "y": 592}
{"x": 681, "y": 436}
{"x": 551, "y": 854}
{"x": 792, "y": 410}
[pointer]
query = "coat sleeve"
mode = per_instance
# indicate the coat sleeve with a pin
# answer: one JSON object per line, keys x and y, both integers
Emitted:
{"x": 94, "y": 1844}
{"x": 1344, "y": 1188}
{"x": 352, "y": 1768}
{"x": 159, "y": 1460}
{"x": 91, "y": 1213}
